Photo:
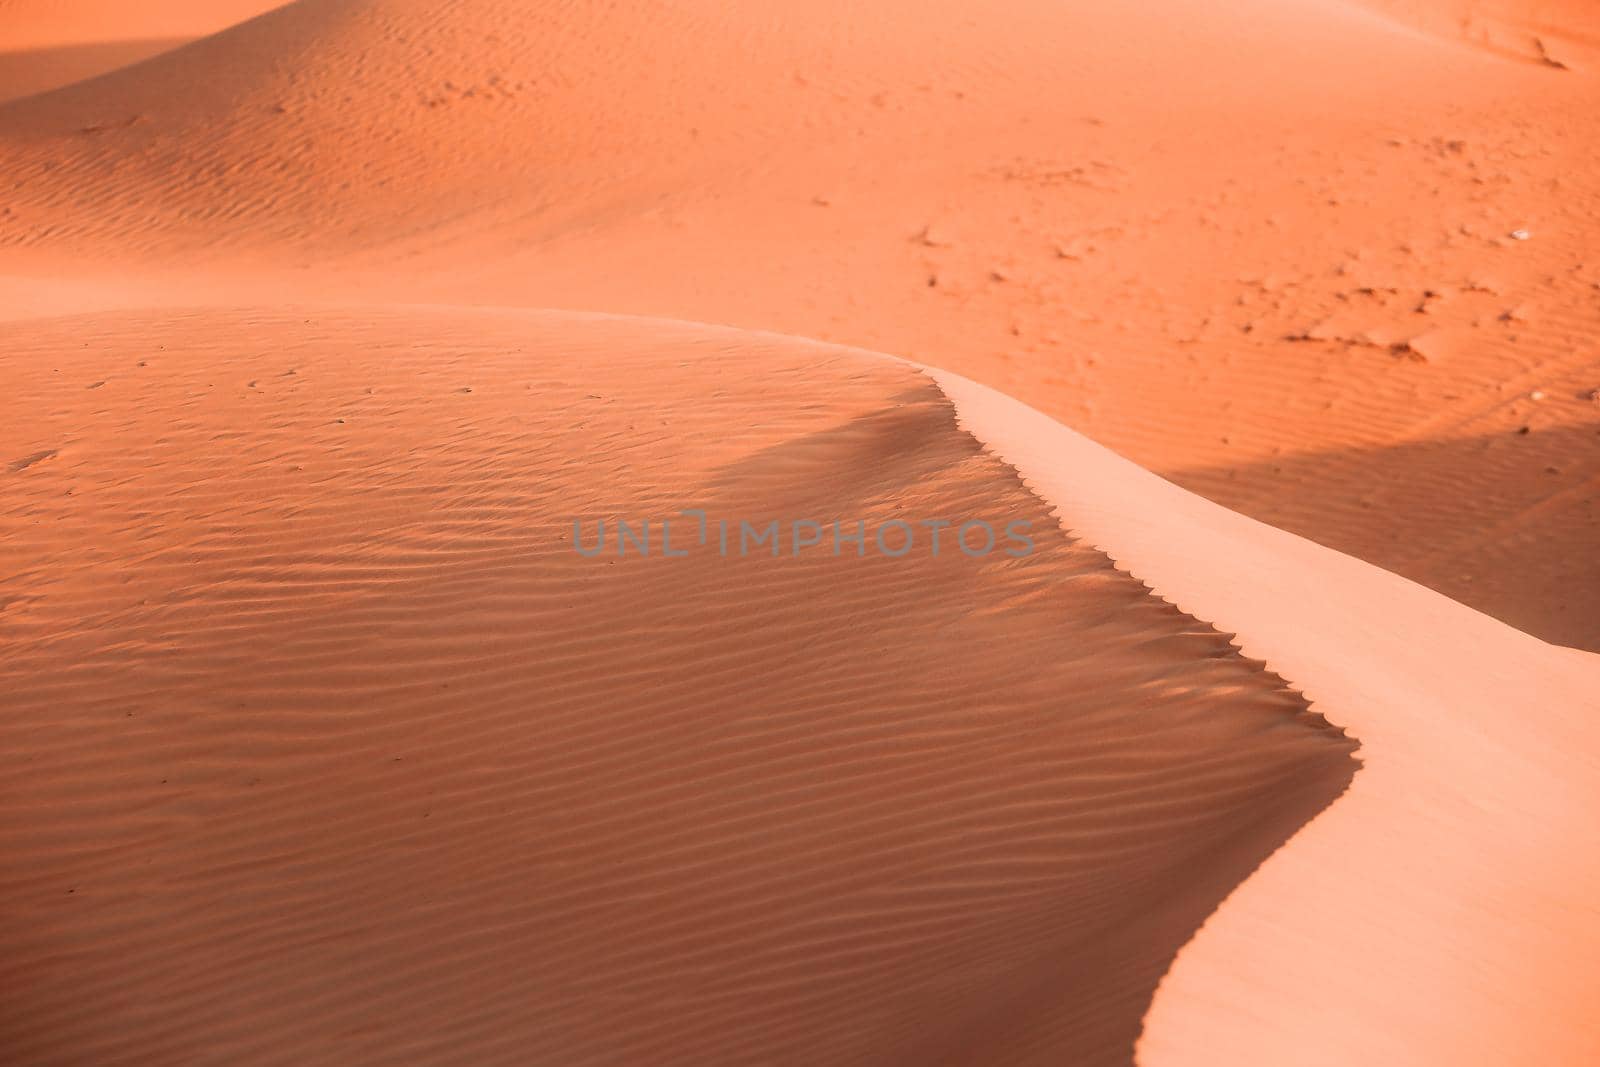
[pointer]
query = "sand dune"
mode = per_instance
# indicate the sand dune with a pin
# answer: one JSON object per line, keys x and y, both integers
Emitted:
{"x": 46, "y": 44}
{"x": 40, "y": 23}
{"x": 1558, "y": 34}
{"x": 37, "y": 70}
{"x": 1051, "y": 215}
{"x": 1465, "y": 845}
{"x": 319, "y": 329}
{"x": 302, "y": 612}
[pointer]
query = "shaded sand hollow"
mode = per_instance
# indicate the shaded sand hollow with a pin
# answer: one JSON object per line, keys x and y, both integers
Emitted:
{"x": 330, "y": 748}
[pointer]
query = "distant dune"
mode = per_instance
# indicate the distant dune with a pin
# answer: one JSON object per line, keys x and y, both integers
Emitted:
{"x": 46, "y": 44}
{"x": 1265, "y": 249}
{"x": 331, "y": 330}
{"x": 23, "y": 73}
{"x": 1558, "y": 34}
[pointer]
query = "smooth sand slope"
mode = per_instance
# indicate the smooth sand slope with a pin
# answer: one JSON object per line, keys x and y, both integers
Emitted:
{"x": 45, "y": 44}
{"x": 328, "y": 747}
{"x": 1266, "y": 249}
{"x": 1557, "y": 34}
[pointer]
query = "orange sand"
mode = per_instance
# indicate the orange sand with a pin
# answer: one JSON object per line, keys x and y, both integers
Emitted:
{"x": 46, "y": 44}
{"x": 1206, "y": 239}
{"x": 329, "y": 749}
{"x": 357, "y": 760}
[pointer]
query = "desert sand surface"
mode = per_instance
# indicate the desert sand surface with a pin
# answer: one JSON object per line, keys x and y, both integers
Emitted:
{"x": 46, "y": 44}
{"x": 360, "y": 762}
{"x": 1264, "y": 249}
{"x": 1470, "y": 824}
{"x": 321, "y": 323}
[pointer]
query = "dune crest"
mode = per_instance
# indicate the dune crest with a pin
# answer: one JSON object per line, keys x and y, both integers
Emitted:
{"x": 1461, "y": 858}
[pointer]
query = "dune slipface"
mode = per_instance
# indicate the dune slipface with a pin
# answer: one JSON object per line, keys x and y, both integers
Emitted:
{"x": 1461, "y": 857}
{"x": 328, "y": 747}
